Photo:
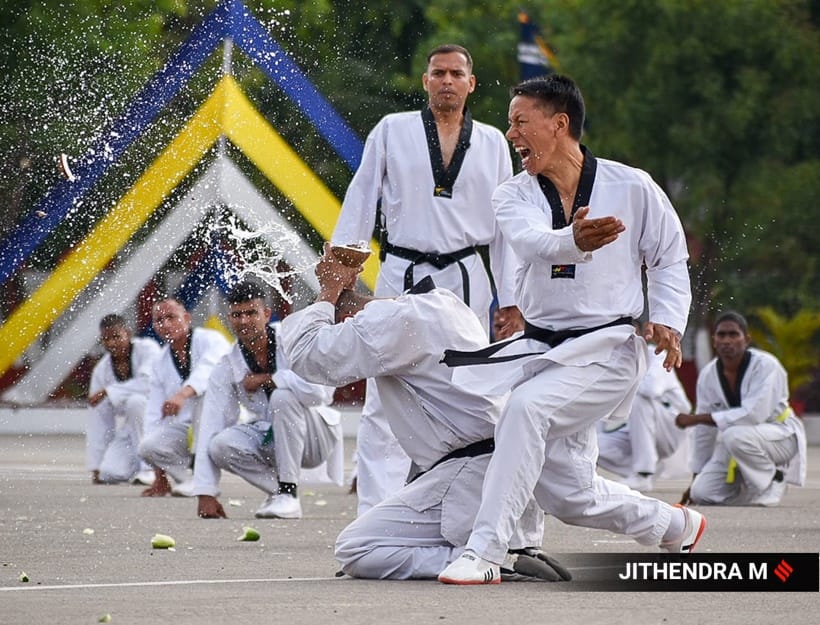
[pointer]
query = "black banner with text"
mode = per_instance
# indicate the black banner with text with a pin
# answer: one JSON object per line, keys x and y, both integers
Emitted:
{"x": 697, "y": 572}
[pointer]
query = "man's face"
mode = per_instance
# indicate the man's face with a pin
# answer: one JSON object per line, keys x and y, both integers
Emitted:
{"x": 248, "y": 320}
{"x": 729, "y": 340}
{"x": 532, "y": 133}
{"x": 116, "y": 340}
{"x": 448, "y": 81}
{"x": 170, "y": 320}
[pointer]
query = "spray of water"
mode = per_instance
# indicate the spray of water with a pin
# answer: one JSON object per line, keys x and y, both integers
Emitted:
{"x": 260, "y": 253}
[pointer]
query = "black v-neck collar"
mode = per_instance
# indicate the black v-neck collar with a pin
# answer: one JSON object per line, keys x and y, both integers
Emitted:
{"x": 732, "y": 398}
{"x": 582, "y": 194}
{"x": 250, "y": 359}
{"x": 130, "y": 365}
{"x": 445, "y": 178}
{"x": 184, "y": 370}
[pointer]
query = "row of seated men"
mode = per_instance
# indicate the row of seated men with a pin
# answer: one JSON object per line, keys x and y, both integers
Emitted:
{"x": 146, "y": 401}
{"x": 156, "y": 408}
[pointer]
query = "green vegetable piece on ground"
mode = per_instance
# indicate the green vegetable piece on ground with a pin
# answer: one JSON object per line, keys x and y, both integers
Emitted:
{"x": 161, "y": 541}
{"x": 249, "y": 534}
{"x": 105, "y": 618}
{"x": 23, "y": 577}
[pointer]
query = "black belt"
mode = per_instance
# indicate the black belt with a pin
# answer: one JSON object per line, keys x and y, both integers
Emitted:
{"x": 479, "y": 448}
{"x": 439, "y": 261}
{"x": 454, "y": 358}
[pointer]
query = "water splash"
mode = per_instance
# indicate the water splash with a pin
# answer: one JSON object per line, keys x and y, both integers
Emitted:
{"x": 260, "y": 253}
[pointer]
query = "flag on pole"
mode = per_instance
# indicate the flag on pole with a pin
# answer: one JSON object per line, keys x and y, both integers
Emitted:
{"x": 535, "y": 57}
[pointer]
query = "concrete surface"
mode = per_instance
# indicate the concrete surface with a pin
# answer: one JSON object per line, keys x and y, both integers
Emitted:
{"x": 47, "y": 501}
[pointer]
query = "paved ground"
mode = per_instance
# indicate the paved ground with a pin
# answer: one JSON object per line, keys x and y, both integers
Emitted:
{"x": 48, "y": 507}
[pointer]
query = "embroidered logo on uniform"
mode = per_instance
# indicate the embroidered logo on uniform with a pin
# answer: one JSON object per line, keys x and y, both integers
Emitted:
{"x": 563, "y": 271}
{"x": 445, "y": 192}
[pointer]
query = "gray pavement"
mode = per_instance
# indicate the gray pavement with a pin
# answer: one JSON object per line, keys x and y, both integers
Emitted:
{"x": 48, "y": 507}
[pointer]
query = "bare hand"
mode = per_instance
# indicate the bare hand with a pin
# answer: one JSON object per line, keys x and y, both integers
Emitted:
{"x": 254, "y": 381}
{"x": 334, "y": 276}
{"x": 209, "y": 508}
{"x": 96, "y": 398}
{"x": 665, "y": 338}
{"x": 593, "y": 234}
{"x": 172, "y": 406}
{"x": 506, "y": 322}
{"x": 684, "y": 420}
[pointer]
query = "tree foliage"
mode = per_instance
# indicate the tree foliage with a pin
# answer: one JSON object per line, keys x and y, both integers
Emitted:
{"x": 718, "y": 101}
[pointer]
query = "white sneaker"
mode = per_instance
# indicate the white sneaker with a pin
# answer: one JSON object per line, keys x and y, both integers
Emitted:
{"x": 470, "y": 569}
{"x": 638, "y": 482}
{"x": 772, "y": 495}
{"x": 144, "y": 477}
{"x": 183, "y": 489}
{"x": 692, "y": 531}
{"x": 280, "y": 507}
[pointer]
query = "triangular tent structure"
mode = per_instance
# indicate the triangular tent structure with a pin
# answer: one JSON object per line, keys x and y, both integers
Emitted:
{"x": 226, "y": 113}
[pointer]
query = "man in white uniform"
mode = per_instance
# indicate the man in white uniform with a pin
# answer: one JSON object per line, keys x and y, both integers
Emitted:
{"x": 747, "y": 441}
{"x": 445, "y": 430}
{"x": 635, "y": 449}
{"x": 432, "y": 174}
{"x": 290, "y": 424}
{"x": 117, "y": 396}
{"x": 178, "y": 381}
{"x": 583, "y": 228}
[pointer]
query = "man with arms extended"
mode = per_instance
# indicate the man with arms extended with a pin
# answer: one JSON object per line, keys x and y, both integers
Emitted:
{"x": 117, "y": 396}
{"x": 748, "y": 443}
{"x": 583, "y": 228}
{"x": 291, "y": 424}
{"x": 432, "y": 174}
{"x": 445, "y": 430}
{"x": 178, "y": 381}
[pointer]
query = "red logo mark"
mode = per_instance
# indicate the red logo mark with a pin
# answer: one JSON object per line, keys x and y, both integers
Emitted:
{"x": 783, "y": 571}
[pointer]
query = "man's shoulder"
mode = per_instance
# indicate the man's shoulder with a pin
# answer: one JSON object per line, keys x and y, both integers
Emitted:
{"x": 765, "y": 358}
{"x": 489, "y": 129}
{"x": 103, "y": 362}
{"x": 145, "y": 344}
{"x": 211, "y": 335}
{"x": 517, "y": 183}
{"x": 615, "y": 171}
{"x": 398, "y": 118}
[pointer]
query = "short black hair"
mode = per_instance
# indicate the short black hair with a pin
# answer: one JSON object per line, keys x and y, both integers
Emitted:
{"x": 113, "y": 320}
{"x": 559, "y": 94}
{"x": 731, "y": 315}
{"x": 448, "y": 48}
{"x": 246, "y": 291}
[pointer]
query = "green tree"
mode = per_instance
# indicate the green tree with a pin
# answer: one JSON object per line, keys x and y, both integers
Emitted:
{"x": 719, "y": 102}
{"x": 793, "y": 340}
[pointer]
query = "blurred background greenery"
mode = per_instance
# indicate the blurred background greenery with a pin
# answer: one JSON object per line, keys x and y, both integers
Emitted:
{"x": 718, "y": 101}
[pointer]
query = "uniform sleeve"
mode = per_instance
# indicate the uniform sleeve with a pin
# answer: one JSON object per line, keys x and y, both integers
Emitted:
{"x": 220, "y": 409}
{"x": 703, "y": 437}
{"x": 145, "y": 352}
{"x": 525, "y": 227}
{"x": 98, "y": 376}
{"x": 358, "y": 215}
{"x": 308, "y": 393}
{"x": 764, "y": 395}
{"x": 156, "y": 397}
{"x": 335, "y": 354}
{"x": 663, "y": 246}
{"x": 210, "y": 347}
